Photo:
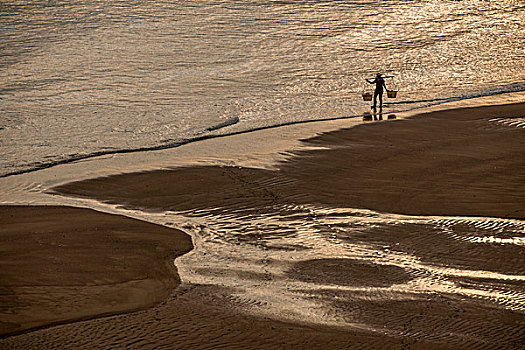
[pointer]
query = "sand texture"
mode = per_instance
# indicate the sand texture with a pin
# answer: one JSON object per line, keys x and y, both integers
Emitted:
{"x": 61, "y": 264}
{"x": 449, "y": 276}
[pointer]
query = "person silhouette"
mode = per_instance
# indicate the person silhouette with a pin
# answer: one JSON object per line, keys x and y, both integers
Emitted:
{"x": 380, "y": 83}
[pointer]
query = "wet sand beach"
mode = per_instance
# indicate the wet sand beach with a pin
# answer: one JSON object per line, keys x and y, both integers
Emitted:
{"x": 402, "y": 234}
{"x": 63, "y": 264}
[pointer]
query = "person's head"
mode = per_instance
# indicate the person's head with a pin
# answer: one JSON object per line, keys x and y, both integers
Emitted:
{"x": 378, "y": 75}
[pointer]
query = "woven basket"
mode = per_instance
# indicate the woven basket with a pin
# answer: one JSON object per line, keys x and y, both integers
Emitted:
{"x": 367, "y": 96}
{"x": 391, "y": 94}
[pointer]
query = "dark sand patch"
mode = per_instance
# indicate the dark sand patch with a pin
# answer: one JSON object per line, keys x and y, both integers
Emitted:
{"x": 348, "y": 272}
{"x": 446, "y": 319}
{"x": 200, "y": 317}
{"x": 181, "y": 188}
{"x": 60, "y": 264}
{"x": 431, "y": 245}
{"x": 454, "y": 162}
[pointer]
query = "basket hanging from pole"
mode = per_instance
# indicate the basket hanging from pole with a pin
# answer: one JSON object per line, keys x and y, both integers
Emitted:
{"x": 391, "y": 93}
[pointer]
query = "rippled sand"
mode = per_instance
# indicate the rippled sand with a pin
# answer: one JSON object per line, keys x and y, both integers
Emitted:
{"x": 399, "y": 234}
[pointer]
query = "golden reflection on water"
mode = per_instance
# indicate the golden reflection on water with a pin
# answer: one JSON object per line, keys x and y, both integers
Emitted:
{"x": 154, "y": 73}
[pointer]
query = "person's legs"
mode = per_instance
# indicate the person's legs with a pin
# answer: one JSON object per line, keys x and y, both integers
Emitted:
{"x": 375, "y": 99}
{"x": 380, "y": 93}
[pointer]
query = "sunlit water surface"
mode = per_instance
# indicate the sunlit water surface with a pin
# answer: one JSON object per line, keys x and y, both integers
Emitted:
{"x": 81, "y": 78}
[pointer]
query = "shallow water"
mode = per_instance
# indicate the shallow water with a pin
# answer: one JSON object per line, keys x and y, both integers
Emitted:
{"x": 80, "y": 78}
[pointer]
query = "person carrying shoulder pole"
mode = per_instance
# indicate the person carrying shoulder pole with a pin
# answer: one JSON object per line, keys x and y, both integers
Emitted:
{"x": 380, "y": 83}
